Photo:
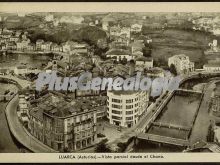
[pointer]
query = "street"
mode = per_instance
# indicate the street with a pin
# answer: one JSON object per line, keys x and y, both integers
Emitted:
{"x": 18, "y": 131}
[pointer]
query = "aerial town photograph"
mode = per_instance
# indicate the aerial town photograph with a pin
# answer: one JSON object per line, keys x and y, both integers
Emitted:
{"x": 39, "y": 115}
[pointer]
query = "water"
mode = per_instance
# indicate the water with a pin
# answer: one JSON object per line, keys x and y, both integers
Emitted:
{"x": 180, "y": 111}
{"x": 13, "y": 60}
{"x": 180, "y": 134}
{"x": 8, "y": 143}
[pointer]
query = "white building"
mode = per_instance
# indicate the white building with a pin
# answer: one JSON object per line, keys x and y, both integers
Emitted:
{"x": 23, "y": 44}
{"x": 21, "y": 14}
{"x": 96, "y": 22}
{"x": 46, "y": 46}
{"x": 214, "y": 45}
{"x": 119, "y": 54}
{"x": 124, "y": 108}
{"x": 182, "y": 63}
{"x": 136, "y": 28}
{"x": 39, "y": 43}
{"x": 14, "y": 38}
{"x": 212, "y": 67}
{"x": 117, "y": 31}
{"x": 49, "y": 18}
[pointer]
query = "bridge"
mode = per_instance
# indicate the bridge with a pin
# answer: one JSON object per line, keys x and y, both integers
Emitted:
{"x": 163, "y": 139}
{"x": 202, "y": 74}
{"x": 145, "y": 122}
{"x": 22, "y": 83}
{"x": 173, "y": 126}
{"x": 152, "y": 113}
{"x": 157, "y": 107}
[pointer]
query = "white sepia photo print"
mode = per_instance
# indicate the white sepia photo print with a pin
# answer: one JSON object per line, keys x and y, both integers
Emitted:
{"x": 109, "y": 82}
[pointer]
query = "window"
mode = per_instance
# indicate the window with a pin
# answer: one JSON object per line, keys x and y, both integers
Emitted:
{"x": 129, "y": 112}
{"x": 116, "y": 106}
{"x": 129, "y": 101}
{"x": 129, "y": 118}
{"x": 116, "y": 117}
{"x": 129, "y": 106}
{"x": 116, "y": 112}
{"x": 59, "y": 123}
{"x": 116, "y": 100}
{"x": 136, "y": 105}
{"x": 59, "y": 137}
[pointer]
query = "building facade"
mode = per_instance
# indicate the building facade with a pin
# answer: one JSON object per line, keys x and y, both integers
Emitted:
{"x": 182, "y": 63}
{"x": 142, "y": 63}
{"x": 63, "y": 126}
{"x": 212, "y": 67}
{"x": 124, "y": 108}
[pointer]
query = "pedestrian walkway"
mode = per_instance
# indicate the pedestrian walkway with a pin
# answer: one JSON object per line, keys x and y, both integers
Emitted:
{"x": 19, "y": 131}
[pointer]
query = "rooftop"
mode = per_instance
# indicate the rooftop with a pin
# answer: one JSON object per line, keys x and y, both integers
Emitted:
{"x": 180, "y": 56}
{"x": 137, "y": 44}
{"x": 37, "y": 113}
{"x": 118, "y": 52}
{"x": 123, "y": 92}
{"x": 55, "y": 105}
{"x": 144, "y": 58}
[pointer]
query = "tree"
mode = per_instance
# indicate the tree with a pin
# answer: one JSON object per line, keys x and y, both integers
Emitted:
{"x": 102, "y": 147}
{"x": 210, "y": 136}
{"x": 160, "y": 62}
{"x": 147, "y": 52}
{"x": 124, "y": 61}
{"x": 173, "y": 69}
